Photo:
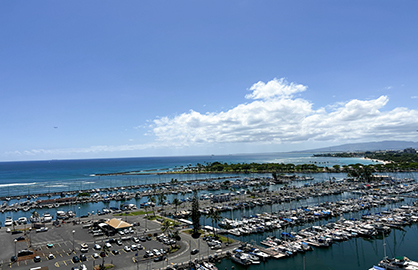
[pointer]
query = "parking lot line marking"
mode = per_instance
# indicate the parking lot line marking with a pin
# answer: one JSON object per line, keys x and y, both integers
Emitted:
{"x": 59, "y": 244}
{"x": 57, "y": 264}
{"x": 61, "y": 255}
{"x": 64, "y": 263}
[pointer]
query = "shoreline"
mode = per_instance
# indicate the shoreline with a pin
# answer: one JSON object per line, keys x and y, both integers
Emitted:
{"x": 377, "y": 160}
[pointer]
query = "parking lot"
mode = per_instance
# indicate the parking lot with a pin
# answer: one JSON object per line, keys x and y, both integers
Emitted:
{"x": 57, "y": 246}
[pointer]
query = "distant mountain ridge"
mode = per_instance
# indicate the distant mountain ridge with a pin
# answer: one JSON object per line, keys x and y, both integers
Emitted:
{"x": 368, "y": 146}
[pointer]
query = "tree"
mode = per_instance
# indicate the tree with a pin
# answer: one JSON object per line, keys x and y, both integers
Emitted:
{"x": 176, "y": 203}
{"x": 105, "y": 250}
{"x": 167, "y": 226}
{"x": 152, "y": 201}
{"x": 195, "y": 213}
{"x": 215, "y": 217}
{"x": 161, "y": 199}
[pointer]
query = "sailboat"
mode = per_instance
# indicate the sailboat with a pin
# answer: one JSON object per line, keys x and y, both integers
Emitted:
{"x": 397, "y": 263}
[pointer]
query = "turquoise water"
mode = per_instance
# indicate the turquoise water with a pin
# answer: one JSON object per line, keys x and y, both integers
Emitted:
{"x": 25, "y": 178}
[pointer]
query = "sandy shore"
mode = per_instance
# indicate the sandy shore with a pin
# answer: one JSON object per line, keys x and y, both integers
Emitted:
{"x": 377, "y": 160}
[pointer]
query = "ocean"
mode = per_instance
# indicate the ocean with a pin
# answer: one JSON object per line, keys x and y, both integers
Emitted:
{"x": 29, "y": 177}
{"x": 34, "y": 177}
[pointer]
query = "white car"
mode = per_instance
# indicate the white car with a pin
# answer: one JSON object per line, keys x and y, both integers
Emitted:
{"x": 97, "y": 247}
{"x": 51, "y": 256}
{"x": 95, "y": 255}
{"x": 127, "y": 249}
{"x": 108, "y": 245}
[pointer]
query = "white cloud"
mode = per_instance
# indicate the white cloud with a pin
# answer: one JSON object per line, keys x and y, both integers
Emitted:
{"x": 273, "y": 117}
{"x": 274, "y": 89}
{"x": 276, "y": 117}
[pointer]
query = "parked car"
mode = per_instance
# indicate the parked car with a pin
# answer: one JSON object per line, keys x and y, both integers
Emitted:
{"x": 95, "y": 255}
{"x": 83, "y": 257}
{"x": 42, "y": 229}
{"x": 194, "y": 251}
{"x": 24, "y": 252}
{"x": 97, "y": 247}
{"x": 51, "y": 256}
{"x": 148, "y": 254}
{"x": 37, "y": 259}
{"x": 76, "y": 259}
{"x": 115, "y": 252}
{"x": 127, "y": 249}
{"x": 159, "y": 258}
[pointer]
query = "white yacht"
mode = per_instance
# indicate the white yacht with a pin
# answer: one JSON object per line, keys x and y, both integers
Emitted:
{"x": 8, "y": 221}
{"x": 46, "y": 217}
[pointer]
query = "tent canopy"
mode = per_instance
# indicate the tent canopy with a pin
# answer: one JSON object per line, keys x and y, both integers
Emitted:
{"x": 118, "y": 224}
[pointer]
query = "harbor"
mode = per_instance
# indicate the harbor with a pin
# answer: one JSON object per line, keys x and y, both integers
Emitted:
{"x": 291, "y": 222}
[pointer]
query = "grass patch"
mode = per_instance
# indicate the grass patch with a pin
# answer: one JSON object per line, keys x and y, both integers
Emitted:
{"x": 174, "y": 249}
{"x": 173, "y": 222}
{"x": 223, "y": 239}
{"x": 134, "y": 213}
{"x": 152, "y": 217}
{"x": 202, "y": 232}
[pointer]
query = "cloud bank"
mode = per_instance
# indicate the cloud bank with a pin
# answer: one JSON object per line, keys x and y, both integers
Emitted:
{"x": 275, "y": 116}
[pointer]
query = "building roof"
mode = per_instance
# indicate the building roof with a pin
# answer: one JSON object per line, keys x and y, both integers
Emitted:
{"x": 118, "y": 223}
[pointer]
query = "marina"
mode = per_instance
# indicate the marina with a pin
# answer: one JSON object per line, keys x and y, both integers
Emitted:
{"x": 316, "y": 214}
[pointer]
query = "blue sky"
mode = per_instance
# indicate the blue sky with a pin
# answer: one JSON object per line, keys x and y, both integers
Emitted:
{"x": 96, "y": 79}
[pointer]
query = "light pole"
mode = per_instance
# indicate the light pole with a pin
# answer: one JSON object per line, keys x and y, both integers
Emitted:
{"x": 79, "y": 214}
{"x": 73, "y": 239}
{"x": 15, "y": 248}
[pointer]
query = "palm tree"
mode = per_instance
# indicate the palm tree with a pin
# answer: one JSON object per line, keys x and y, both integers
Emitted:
{"x": 215, "y": 216}
{"x": 176, "y": 203}
{"x": 105, "y": 250}
{"x": 152, "y": 201}
{"x": 183, "y": 193}
{"x": 161, "y": 199}
{"x": 167, "y": 228}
